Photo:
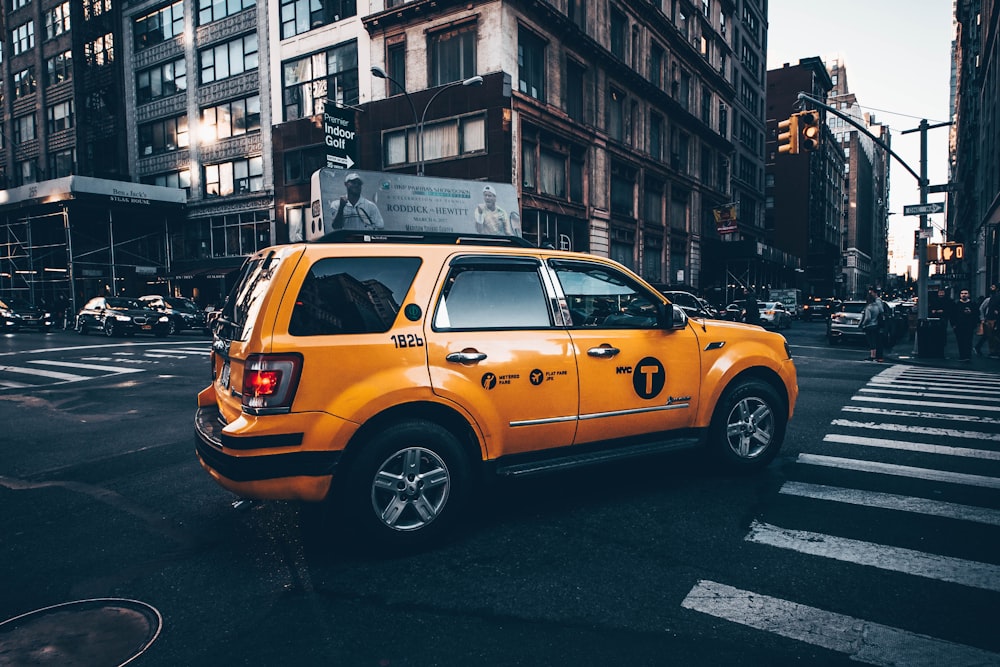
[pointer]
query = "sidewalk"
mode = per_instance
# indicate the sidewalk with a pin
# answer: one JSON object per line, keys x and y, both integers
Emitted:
{"x": 904, "y": 352}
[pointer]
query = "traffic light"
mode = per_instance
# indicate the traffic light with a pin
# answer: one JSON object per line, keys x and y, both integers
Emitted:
{"x": 934, "y": 253}
{"x": 788, "y": 135}
{"x": 809, "y": 130}
{"x": 952, "y": 251}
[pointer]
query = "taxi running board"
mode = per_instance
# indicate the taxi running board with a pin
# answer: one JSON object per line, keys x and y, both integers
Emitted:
{"x": 594, "y": 457}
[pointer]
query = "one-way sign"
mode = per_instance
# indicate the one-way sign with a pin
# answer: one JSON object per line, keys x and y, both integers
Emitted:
{"x": 922, "y": 209}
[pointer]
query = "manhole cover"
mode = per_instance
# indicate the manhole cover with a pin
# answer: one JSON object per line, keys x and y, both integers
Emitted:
{"x": 89, "y": 633}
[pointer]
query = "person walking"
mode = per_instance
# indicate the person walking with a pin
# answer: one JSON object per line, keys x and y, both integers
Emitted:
{"x": 870, "y": 317}
{"x": 883, "y": 324}
{"x": 964, "y": 318}
{"x": 991, "y": 320}
{"x": 751, "y": 311}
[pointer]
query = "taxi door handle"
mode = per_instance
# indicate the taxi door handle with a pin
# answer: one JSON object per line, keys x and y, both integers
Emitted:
{"x": 466, "y": 357}
{"x": 603, "y": 351}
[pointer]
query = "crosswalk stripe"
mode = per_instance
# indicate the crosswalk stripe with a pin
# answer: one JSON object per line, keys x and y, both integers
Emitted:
{"x": 10, "y": 384}
{"x": 985, "y": 576}
{"x": 922, "y": 430}
{"x": 900, "y": 471}
{"x": 862, "y": 641}
{"x": 902, "y": 445}
{"x": 948, "y": 416}
{"x": 39, "y": 372}
{"x": 892, "y": 501}
{"x": 86, "y": 367}
{"x": 925, "y": 394}
{"x": 977, "y": 389}
{"x": 927, "y": 404}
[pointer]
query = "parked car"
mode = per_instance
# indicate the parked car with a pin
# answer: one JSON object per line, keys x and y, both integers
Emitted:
{"x": 392, "y": 380}
{"x": 694, "y": 306}
{"x": 119, "y": 316}
{"x": 27, "y": 315}
{"x": 184, "y": 314}
{"x": 845, "y": 323}
{"x": 774, "y": 315}
{"x": 733, "y": 312}
{"x": 9, "y": 320}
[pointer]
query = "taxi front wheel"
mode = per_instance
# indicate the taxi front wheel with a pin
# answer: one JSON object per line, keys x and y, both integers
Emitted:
{"x": 748, "y": 426}
{"x": 408, "y": 484}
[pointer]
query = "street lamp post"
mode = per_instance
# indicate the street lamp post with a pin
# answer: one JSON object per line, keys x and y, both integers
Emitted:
{"x": 380, "y": 73}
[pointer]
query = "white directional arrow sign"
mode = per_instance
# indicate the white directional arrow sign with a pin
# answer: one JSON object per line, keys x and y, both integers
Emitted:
{"x": 922, "y": 209}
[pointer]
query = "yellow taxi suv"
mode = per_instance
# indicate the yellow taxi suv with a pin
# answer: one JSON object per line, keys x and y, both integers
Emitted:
{"x": 393, "y": 379}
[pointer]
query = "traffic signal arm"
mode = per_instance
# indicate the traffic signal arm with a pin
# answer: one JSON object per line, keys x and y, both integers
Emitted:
{"x": 788, "y": 135}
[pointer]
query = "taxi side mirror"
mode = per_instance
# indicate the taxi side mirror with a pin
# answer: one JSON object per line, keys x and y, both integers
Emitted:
{"x": 671, "y": 317}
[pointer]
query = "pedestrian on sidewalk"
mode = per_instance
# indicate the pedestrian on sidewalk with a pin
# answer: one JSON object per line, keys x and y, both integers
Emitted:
{"x": 984, "y": 331}
{"x": 964, "y": 318}
{"x": 870, "y": 317}
{"x": 883, "y": 324}
{"x": 991, "y": 320}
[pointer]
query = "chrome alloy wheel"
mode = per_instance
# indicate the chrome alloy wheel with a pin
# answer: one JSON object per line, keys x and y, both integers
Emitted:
{"x": 410, "y": 488}
{"x": 750, "y": 427}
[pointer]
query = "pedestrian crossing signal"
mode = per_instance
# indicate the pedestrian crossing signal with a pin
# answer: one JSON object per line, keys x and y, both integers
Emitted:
{"x": 952, "y": 251}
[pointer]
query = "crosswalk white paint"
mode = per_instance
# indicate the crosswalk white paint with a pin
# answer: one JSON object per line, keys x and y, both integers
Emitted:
{"x": 918, "y": 430}
{"x": 918, "y": 414}
{"x": 931, "y": 394}
{"x": 87, "y": 367}
{"x": 892, "y": 501}
{"x": 900, "y": 470}
{"x": 41, "y": 372}
{"x": 903, "y": 445}
{"x": 927, "y": 404}
{"x": 862, "y": 641}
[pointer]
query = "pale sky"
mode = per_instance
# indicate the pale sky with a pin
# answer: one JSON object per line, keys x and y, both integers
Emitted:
{"x": 898, "y": 59}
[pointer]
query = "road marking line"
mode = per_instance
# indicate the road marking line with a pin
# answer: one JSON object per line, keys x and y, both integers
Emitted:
{"x": 861, "y": 640}
{"x": 985, "y": 576}
{"x": 183, "y": 350}
{"x": 928, "y": 404}
{"x": 55, "y": 375}
{"x": 973, "y": 419}
{"x": 922, "y": 430}
{"x": 950, "y": 386}
{"x": 10, "y": 384}
{"x": 892, "y": 501}
{"x": 900, "y": 471}
{"x": 90, "y": 367}
{"x": 924, "y": 394}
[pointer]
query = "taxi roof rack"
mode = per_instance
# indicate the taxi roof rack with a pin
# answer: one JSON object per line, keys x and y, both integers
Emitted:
{"x": 438, "y": 238}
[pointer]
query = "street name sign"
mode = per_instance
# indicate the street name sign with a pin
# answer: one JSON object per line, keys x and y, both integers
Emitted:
{"x": 923, "y": 209}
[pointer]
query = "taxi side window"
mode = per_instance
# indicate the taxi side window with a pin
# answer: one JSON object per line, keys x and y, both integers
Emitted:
{"x": 493, "y": 294}
{"x": 601, "y": 297}
{"x": 352, "y": 295}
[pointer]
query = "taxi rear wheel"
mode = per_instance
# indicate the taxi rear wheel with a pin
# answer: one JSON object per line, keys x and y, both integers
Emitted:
{"x": 408, "y": 484}
{"x": 748, "y": 426}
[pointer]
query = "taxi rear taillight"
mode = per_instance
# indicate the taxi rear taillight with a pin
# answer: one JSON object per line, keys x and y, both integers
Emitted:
{"x": 269, "y": 383}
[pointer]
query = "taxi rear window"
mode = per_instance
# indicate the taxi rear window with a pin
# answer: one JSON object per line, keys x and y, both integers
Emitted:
{"x": 352, "y": 295}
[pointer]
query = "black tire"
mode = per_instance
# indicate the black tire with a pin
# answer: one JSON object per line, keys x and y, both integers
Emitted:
{"x": 408, "y": 510}
{"x": 748, "y": 426}
{"x": 110, "y": 330}
{"x": 81, "y": 328}
{"x": 172, "y": 328}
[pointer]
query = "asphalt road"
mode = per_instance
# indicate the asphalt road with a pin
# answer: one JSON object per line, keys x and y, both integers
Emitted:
{"x": 848, "y": 549}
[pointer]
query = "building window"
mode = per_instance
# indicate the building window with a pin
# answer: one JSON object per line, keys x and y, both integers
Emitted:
{"x": 622, "y": 192}
{"x": 234, "y": 178}
{"x": 395, "y": 58}
{"x": 59, "y": 68}
{"x": 161, "y": 81}
{"x": 240, "y": 234}
{"x": 158, "y": 26}
{"x": 24, "y": 128}
{"x": 100, "y": 51}
{"x": 61, "y": 163}
{"x": 57, "y": 20}
{"x": 449, "y": 138}
{"x": 684, "y": 94}
{"x": 27, "y": 172}
{"x": 656, "y": 55}
{"x": 652, "y": 259}
{"x": 574, "y": 93}
{"x": 706, "y": 105}
{"x": 707, "y": 166}
{"x": 452, "y": 55}
{"x": 229, "y": 58}
{"x": 529, "y": 165}
{"x": 17, "y": 4}
{"x": 163, "y": 136}
{"x": 618, "y": 34}
{"x": 24, "y": 83}
{"x": 723, "y": 119}
{"x": 60, "y": 116}
{"x": 300, "y": 164}
{"x": 552, "y": 177}
{"x": 329, "y": 75}
{"x": 576, "y": 10}
{"x": 616, "y": 115}
{"x": 530, "y": 64}
{"x": 230, "y": 119}
{"x": 174, "y": 179}
{"x": 652, "y": 206}
{"x": 94, "y": 8}
{"x": 299, "y": 16}
{"x": 213, "y": 10}
{"x": 656, "y": 135}
{"x": 22, "y": 38}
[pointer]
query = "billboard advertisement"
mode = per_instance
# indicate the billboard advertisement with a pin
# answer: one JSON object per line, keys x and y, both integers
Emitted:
{"x": 380, "y": 201}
